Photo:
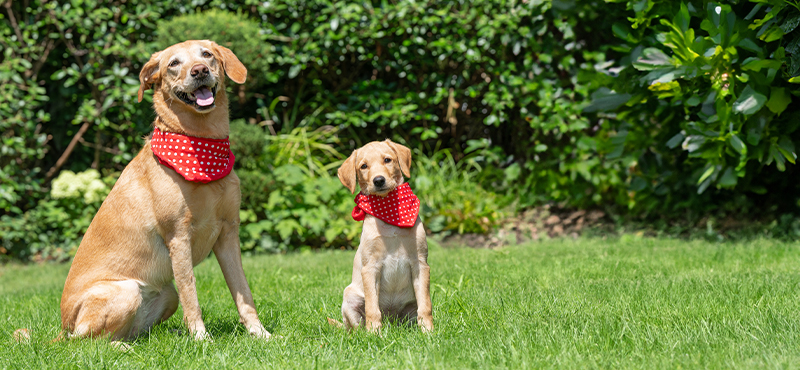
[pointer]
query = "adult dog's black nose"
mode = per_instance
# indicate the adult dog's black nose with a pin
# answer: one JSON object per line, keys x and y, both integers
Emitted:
{"x": 379, "y": 181}
{"x": 199, "y": 71}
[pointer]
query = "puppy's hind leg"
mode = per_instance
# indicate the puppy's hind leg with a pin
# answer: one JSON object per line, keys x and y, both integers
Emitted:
{"x": 353, "y": 308}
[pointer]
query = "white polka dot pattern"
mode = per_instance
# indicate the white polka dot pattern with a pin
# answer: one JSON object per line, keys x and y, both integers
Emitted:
{"x": 196, "y": 159}
{"x": 399, "y": 208}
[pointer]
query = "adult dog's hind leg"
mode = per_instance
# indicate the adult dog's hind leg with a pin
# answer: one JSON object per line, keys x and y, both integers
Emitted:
{"x": 157, "y": 306}
{"x": 107, "y": 308}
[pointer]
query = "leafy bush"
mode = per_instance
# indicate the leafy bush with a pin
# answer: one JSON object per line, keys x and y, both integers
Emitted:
{"x": 234, "y": 31}
{"x": 703, "y": 98}
{"x": 452, "y": 200}
{"x": 54, "y": 228}
{"x": 629, "y": 105}
{"x": 291, "y": 199}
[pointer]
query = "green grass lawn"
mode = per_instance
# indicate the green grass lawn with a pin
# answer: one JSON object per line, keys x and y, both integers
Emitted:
{"x": 590, "y": 303}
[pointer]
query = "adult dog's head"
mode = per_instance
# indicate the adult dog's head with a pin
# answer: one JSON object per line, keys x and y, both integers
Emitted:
{"x": 377, "y": 167}
{"x": 188, "y": 77}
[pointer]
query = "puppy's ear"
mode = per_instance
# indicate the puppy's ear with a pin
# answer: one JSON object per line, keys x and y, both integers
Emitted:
{"x": 149, "y": 74}
{"x": 233, "y": 67}
{"x": 403, "y": 156}
{"x": 347, "y": 172}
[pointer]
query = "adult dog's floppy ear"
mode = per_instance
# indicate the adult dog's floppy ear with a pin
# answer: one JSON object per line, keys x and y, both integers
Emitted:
{"x": 403, "y": 156}
{"x": 347, "y": 172}
{"x": 149, "y": 74}
{"x": 233, "y": 67}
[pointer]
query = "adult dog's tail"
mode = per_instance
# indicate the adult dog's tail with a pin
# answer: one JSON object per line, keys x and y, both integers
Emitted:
{"x": 22, "y": 335}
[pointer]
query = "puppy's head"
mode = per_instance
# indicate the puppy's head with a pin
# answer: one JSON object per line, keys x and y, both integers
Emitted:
{"x": 378, "y": 167}
{"x": 191, "y": 74}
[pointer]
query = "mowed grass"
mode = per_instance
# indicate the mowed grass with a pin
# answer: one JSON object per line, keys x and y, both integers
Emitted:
{"x": 588, "y": 303}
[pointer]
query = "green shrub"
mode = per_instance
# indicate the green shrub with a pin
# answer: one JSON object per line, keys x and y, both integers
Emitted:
{"x": 452, "y": 199}
{"x": 580, "y": 103}
{"x": 292, "y": 199}
{"x": 54, "y": 228}
{"x": 233, "y": 31}
{"x": 703, "y": 99}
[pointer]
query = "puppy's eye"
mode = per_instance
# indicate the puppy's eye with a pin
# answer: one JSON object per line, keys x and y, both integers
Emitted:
{"x": 206, "y": 54}
{"x": 174, "y": 63}
{"x": 363, "y": 166}
{"x": 387, "y": 160}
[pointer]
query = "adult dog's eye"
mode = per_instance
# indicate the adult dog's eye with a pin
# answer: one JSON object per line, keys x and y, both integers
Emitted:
{"x": 363, "y": 166}
{"x": 387, "y": 160}
{"x": 206, "y": 54}
{"x": 174, "y": 63}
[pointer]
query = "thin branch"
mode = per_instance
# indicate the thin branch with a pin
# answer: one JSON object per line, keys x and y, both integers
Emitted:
{"x": 61, "y": 160}
{"x": 99, "y": 147}
{"x": 13, "y": 21}
{"x": 34, "y": 72}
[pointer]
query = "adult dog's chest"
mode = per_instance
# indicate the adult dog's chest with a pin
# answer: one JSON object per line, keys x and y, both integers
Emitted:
{"x": 199, "y": 212}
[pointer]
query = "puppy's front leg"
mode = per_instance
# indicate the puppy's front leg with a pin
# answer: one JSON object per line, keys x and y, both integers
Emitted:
{"x": 371, "y": 278}
{"x": 180, "y": 252}
{"x": 230, "y": 261}
{"x": 421, "y": 278}
{"x": 422, "y": 291}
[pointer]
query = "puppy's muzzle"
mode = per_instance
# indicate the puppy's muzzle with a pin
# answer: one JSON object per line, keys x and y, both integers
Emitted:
{"x": 379, "y": 181}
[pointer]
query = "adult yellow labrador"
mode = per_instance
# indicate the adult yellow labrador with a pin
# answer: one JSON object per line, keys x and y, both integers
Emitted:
{"x": 160, "y": 220}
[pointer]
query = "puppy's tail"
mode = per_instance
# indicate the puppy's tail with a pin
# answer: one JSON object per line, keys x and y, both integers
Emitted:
{"x": 335, "y": 323}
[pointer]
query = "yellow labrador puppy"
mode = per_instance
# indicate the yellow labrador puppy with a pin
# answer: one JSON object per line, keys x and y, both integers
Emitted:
{"x": 174, "y": 203}
{"x": 391, "y": 276}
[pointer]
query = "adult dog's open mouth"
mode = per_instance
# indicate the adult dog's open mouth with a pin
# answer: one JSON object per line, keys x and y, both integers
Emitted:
{"x": 201, "y": 99}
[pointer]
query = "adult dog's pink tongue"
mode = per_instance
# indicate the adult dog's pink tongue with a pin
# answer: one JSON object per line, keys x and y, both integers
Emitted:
{"x": 204, "y": 96}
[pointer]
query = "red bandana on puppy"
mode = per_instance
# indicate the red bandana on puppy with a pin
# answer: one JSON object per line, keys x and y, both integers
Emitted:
{"x": 399, "y": 208}
{"x": 195, "y": 158}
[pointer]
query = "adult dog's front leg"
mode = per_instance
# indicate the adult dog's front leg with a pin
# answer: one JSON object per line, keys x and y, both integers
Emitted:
{"x": 230, "y": 261}
{"x": 371, "y": 278}
{"x": 180, "y": 252}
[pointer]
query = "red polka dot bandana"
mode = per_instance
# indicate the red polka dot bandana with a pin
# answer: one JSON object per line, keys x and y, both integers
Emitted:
{"x": 196, "y": 159}
{"x": 399, "y": 208}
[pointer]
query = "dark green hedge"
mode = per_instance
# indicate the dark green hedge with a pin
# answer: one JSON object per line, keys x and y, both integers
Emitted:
{"x": 642, "y": 107}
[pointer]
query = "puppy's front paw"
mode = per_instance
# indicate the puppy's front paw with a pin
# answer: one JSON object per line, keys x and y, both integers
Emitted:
{"x": 259, "y": 332}
{"x": 121, "y": 346}
{"x": 203, "y": 336}
{"x": 374, "y": 327}
{"x": 426, "y": 325}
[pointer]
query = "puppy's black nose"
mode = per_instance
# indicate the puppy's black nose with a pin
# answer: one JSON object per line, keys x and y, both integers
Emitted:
{"x": 379, "y": 181}
{"x": 199, "y": 71}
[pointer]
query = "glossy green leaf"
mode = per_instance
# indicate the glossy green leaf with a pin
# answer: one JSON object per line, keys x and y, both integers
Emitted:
{"x": 779, "y": 99}
{"x": 786, "y": 147}
{"x": 605, "y": 100}
{"x": 728, "y": 178}
{"x": 749, "y": 102}
{"x": 651, "y": 58}
{"x": 738, "y": 144}
{"x": 675, "y": 140}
